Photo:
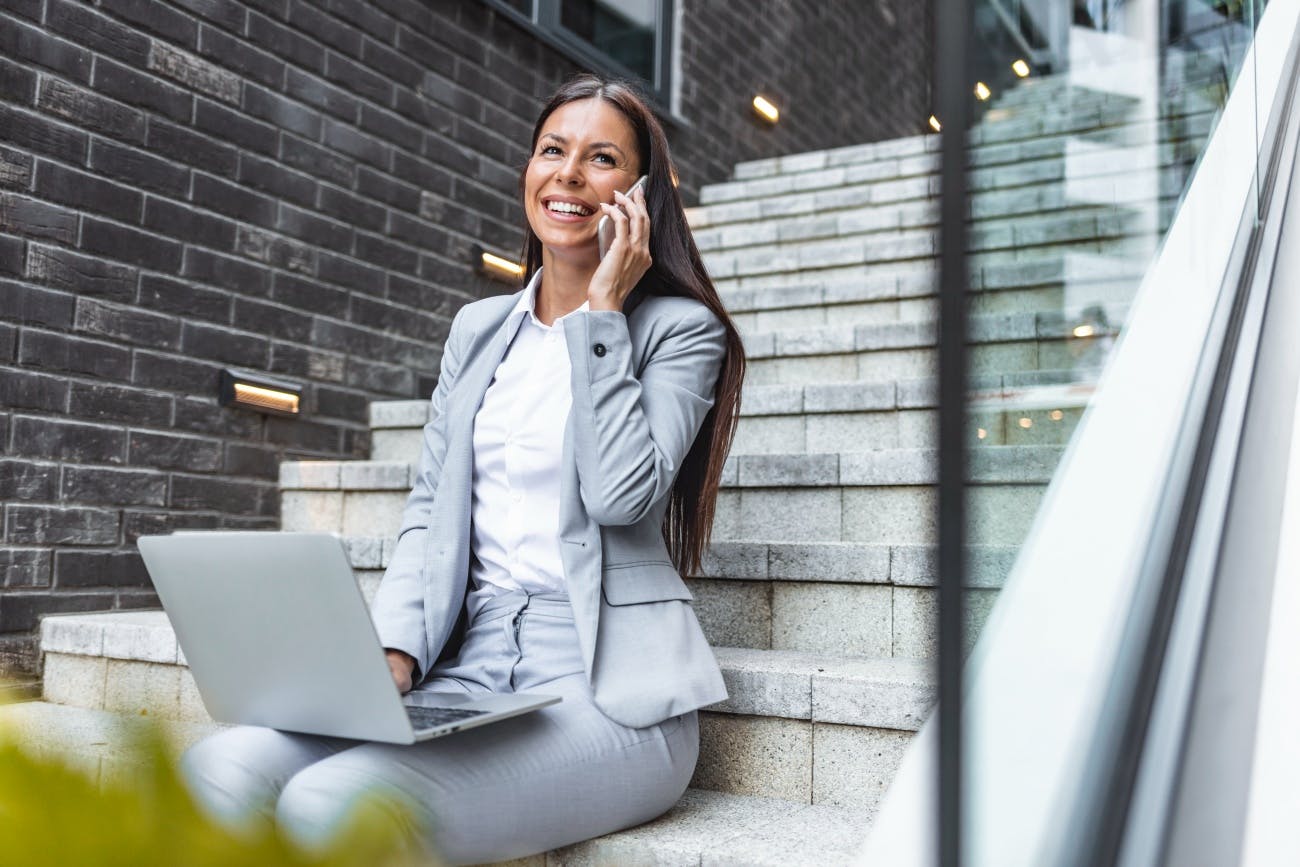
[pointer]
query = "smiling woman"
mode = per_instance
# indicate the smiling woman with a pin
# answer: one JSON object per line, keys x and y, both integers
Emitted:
{"x": 569, "y": 475}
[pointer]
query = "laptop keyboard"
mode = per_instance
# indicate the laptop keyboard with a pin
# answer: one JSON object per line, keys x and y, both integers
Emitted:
{"x": 428, "y": 717}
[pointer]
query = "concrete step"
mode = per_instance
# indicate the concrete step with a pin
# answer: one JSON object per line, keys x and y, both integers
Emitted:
{"x": 705, "y": 827}
{"x": 1022, "y": 142}
{"x": 885, "y": 351}
{"x": 860, "y": 712}
{"x": 883, "y": 496}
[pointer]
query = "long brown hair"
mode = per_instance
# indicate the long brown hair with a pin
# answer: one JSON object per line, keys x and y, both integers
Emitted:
{"x": 676, "y": 269}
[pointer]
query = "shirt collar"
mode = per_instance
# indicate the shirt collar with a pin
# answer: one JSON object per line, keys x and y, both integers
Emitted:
{"x": 527, "y": 306}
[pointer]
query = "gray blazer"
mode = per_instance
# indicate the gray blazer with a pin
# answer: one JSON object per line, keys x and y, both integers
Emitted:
{"x": 643, "y": 380}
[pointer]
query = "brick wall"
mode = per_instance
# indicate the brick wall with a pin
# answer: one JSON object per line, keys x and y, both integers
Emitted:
{"x": 281, "y": 185}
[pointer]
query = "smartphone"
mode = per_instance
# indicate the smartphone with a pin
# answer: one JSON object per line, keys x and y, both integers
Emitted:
{"x": 605, "y": 228}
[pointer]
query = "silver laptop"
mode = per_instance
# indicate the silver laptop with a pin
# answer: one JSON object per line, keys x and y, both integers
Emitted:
{"x": 277, "y": 633}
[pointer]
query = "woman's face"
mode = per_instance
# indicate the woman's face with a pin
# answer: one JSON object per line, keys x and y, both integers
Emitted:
{"x": 585, "y": 151}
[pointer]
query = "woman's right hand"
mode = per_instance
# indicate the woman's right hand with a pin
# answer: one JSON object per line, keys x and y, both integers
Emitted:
{"x": 401, "y": 665}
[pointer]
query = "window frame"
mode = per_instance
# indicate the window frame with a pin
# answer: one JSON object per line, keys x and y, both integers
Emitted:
{"x": 544, "y": 23}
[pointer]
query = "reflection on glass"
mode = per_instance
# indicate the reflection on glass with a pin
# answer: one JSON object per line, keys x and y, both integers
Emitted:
{"x": 621, "y": 29}
{"x": 1097, "y": 113}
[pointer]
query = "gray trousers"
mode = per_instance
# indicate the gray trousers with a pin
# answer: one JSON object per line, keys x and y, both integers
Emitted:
{"x": 546, "y": 779}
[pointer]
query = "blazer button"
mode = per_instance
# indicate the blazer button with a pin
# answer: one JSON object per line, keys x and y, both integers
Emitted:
{"x": 599, "y": 349}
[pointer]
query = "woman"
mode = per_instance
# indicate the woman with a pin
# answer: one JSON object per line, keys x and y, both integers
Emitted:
{"x": 569, "y": 471}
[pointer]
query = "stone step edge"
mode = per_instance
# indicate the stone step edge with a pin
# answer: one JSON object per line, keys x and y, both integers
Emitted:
{"x": 920, "y": 165}
{"x": 702, "y": 822}
{"x": 877, "y": 693}
{"x": 992, "y": 464}
{"x": 915, "y": 146}
{"x": 835, "y": 397}
{"x": 911, "y": 334}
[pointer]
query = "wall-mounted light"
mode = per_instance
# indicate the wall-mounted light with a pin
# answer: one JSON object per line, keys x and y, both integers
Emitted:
{"x": 1026, "y": 422}
{"x": 496, "y": 266}
{"x": 934, "y": 124}
{"x": 982, "y": 91}
{"x": 248, "y": 389}
{"x": 1084, "y": 331}
{"x": 1020, "y": 68}
{"x": 766, "y": 110}
{"x": 1057, "y": 415}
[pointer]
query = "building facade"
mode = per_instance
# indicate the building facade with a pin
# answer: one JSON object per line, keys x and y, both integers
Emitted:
{"x": 297, "y": 188}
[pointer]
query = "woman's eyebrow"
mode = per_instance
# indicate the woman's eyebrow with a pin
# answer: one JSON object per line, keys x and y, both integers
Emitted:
{"x": 599, "y": 144}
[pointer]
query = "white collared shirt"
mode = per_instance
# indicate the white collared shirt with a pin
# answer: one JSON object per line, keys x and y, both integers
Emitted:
{"x": 518, "y": 438}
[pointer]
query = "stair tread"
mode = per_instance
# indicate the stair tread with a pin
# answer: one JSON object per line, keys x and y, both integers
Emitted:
{"x": 768, "y": 682}
{"x": 704, "y": 826}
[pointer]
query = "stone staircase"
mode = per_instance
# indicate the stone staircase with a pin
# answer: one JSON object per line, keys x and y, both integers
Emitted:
{"x": 818, "y": 590}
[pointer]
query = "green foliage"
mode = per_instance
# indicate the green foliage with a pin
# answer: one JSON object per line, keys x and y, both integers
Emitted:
{"x": 52, "y": 813}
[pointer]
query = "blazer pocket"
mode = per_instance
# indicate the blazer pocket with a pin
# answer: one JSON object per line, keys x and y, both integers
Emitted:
{"x": 643, "y": 582}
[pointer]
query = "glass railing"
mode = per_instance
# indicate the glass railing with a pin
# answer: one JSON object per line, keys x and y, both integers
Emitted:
{"x": 1117, "y": 175}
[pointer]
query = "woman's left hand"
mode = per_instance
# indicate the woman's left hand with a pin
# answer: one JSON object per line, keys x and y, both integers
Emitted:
{"x": 628, "y": 257}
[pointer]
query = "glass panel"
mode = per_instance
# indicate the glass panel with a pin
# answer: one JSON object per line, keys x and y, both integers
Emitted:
{"x": 622, "y": 29}
{"x": 1090, "y": 119}
{"x": 523, "y": 6}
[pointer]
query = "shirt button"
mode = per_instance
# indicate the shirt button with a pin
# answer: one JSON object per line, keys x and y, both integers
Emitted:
{"x": 599, "y": 349}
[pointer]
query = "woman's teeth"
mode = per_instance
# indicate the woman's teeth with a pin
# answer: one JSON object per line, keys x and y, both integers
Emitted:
{"x": 567, "y": 208}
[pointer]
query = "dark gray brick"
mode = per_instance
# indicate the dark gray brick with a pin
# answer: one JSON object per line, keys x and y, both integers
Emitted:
{"x": 147, "y": 91}
{"x": 390, "y": 127}
{"x": 50, "y": 439}
{"x": 358, "y": 79}
{"x": 303, "y": 434}
{"x": 87, "y": 192}
{"x": 174, "y": 373}
{"x": 203, "y": 415}
{"x": 235, "y": 54}
{"x": 237, "y": 275}
{"x": 126, "y": 244}
{"x": 36, "y": 133}
{"x": 28, "y": 304}
{"x": 311, "y": 295}
{"x": 88, "y": 109}
{"x": 306, "y": 362}
{"x": 50, "y": 525}
{"x": 236, "y": 128}
{"x": 275, "y": 250}
{"x": 96, "y": 486}
{"x": 231, "y": 16}
{"x": 184, "y": 298}
{"x": 272, "y": 177}
{"x": 223, "y": 495}
{"x": 391, "y": 64}
{"x": 349, "y": 273}
{"x": 155, "y": 17}
{"x": 25, "y": 567}
{"x": 234, "y": 200}
{"x": 103, "y": 402}
{"x": 15, "y": 169}
{"x": 194, "y": 72}
{"x": 20, "y": 612}
{"x": 67, "y": 353}
{"x": 137, "y": 523}
{"x": 341, "y": 35}
{"x": 389, "y": 189}
{"x": 22, "y": 41}
{"x": 365, "y": 15}
{"x": 285, "y": 42}
{"x": 323, "y": 232}
{"x": 139, "y": 169}
{"x": 376, "y": 376}
{"x": 29, "y": 481}
{"x": 17, "y": 83}
{"x": 325, "y": 96}
{"x": 318, "y": 161}
{"x": 223, "y": 344}
{"x": 425, "y": 52}
{"x": 82, "y": 274}
{"x": 263, "y": 318}
{"x": 347, "y": 139}
{"x": 27, "y": 389}
{"x": 341, "y": 403}
{"x": 8, "y": 348}
{"x": 282, "y": 113}
{"x": 352, "y": 208}
{"x": 172, "y": 452}
{"x": 111, "y": 568}
{"x": 33, "y": 218}
{"x": 246, "y": 459}
{"x": 127, "y": 324}
{"x": 13, "y": 251}
{"x": 86, "y": 27}
{"x": 187, "y": 224}
{"x": 382, "y": 251}
{"x": 190, "y": 147}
